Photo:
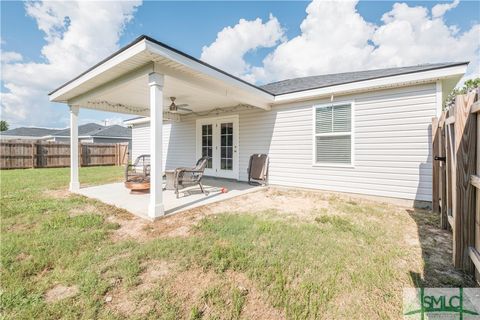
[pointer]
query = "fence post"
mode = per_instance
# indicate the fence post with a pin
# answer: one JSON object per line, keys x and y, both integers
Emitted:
{"x": 435, "y": 166}
{"x": 477, "y": 189}
{"x": 465, "y": 158}
{"x": 117, "y": 154}
{"x": 33, "y": 154}
{"x": 443, "y": 173}
{"x": 80, "y": 154}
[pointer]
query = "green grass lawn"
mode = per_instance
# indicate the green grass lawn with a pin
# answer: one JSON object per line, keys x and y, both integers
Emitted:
{"x": 350, "y": 260}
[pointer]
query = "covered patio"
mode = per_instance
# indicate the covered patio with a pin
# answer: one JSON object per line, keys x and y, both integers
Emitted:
{"x": 218, "y": 190}
{"x": 141, "y": 79}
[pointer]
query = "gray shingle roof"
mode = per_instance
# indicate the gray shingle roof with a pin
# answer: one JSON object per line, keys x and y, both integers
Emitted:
{"x": 29, "y": 132}
{"x": 327, "y": 80}
{"x": 114, "y": 131}
{"x": 83, "y": 130}
{"x": 97, "y": 130}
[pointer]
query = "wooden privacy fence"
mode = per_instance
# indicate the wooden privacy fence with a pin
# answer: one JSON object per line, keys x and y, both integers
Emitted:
{"x": 39, "y": 154}
{"x": 456, "y": 171}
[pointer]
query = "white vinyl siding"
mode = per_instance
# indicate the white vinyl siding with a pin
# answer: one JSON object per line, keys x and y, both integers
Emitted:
{"x": 141, "y": 140}
{"x": 391, "y": 130}
{"x": 333, "y": 134}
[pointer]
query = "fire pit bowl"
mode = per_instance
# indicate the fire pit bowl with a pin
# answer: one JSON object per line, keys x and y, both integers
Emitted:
{"x": 138, "y": 185}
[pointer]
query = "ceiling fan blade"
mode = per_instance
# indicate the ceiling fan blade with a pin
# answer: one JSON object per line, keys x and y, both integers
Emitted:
{"x": 184, "y": 109}
{"x": 182, "y": 105}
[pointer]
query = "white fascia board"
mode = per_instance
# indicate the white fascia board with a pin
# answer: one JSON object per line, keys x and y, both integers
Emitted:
{"x": 201, "y": 68}
{"x": 102, "y": 137}
{"x": 111, "y": 63}
{"x": 137, "y": 121}
{"x": 431, "y": 75}
{"x": 91, "y": 137}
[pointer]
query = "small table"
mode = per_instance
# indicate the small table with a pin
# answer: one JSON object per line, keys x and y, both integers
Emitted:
{"x": 169, "y": 179}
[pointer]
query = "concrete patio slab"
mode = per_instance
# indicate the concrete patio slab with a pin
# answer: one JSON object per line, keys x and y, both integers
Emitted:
{"x": 117, "y": 195}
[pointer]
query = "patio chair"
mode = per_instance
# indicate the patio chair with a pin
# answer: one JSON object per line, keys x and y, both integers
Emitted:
{"x": 258, "y": 169}
{"x": 139, "y": 170}
{"x": 185, "y": 177}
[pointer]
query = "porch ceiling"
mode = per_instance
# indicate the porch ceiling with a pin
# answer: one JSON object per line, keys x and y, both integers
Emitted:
{"x": 120, "y": 82}
{"x": 133, "y": 97}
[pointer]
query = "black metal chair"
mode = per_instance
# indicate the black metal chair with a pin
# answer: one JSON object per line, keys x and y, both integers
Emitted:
{"x": 185, "y": 177}
{"x": 139, "y": 170}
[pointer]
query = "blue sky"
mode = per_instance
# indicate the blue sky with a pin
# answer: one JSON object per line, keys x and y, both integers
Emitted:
{"x": 189, "y": 26}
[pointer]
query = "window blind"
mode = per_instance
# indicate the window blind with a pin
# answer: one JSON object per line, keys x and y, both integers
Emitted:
{"x": 333, "y": 136}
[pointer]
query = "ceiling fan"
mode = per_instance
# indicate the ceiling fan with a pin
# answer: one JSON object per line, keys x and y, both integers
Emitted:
{"x": 175, "y": 108}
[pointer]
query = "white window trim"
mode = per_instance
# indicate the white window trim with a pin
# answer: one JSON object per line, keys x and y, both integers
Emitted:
{"x": 352, "y": 135}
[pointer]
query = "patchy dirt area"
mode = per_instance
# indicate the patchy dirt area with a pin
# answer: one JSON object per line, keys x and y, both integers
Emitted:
{"x": 135, "y": 300}
{"x": 23, "y": 256}
{"x": 430, "y": 246}
{"x": 205, "y": 291}
{"x": 274, "y": 202}
{"x": 60, "y": 292}
{"x": 130, "y": 228}
{"x": 301, "y": 205}
{"x": 256, "y": 305}
{"x": 58, "y": 194}
{"x": 87, "y": 209}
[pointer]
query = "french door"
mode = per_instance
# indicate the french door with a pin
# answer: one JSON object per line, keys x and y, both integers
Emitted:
{"x": 217, "y": 138}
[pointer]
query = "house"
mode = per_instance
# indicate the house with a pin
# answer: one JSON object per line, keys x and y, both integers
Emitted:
{"x": 90, "y": 132}
{"x": 95, "y": 133}
{"x": 27, "y": 133}
{"x": 366, "y": 132}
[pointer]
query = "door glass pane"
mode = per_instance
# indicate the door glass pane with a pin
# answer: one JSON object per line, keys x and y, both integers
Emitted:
{"x": 226, "y": 146}
{"x": 207, "y": 143}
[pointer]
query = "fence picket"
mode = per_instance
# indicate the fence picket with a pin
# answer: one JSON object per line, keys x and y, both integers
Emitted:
{"x": 16, "y": 154}
{"x": 456, "y": 177}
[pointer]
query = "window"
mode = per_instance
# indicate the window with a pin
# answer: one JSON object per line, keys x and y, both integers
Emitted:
{"x": 226, "y": 146}
{"x": 207, "y": 144}
{"x": 333, "y": 134}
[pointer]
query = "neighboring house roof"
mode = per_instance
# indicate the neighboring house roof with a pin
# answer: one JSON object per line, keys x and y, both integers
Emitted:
{"x": 83, "y": 130}
{"x": 97, "y": 130}
{"x": 327, "y": 80}
{"x": 114, "y": 131}
{"x": 29, "y": 132}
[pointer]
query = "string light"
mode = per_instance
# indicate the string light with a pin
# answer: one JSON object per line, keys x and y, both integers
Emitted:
{"x": 217, "y": 111}
{"x": 122, "y": 108}
{"x": 119, "y": 106}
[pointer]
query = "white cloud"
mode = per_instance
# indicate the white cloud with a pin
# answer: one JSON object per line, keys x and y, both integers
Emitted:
{"x": 10, "y": 56}
{"x": 333, "y": 38}
{"x": 440, "y": 9}
{"x": 336, "y": 38}
{"x": 77, "y": 34}
{"x": 409, "y": 36}
{"x": 229, "y": 48}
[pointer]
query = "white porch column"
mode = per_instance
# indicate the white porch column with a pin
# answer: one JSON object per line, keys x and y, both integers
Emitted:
{"x": 155, "y": 81}
{"x": 74, "y": 182}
